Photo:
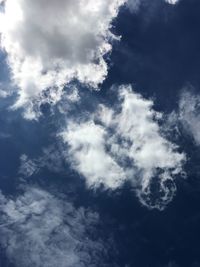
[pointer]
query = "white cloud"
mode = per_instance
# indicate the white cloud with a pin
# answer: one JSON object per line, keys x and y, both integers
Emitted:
{"x": 152, "y": 155}
{"x": 88, "y": 149}
{"x": 39, "y": 229}
{"x": 188, "y": 114}
{"x": 126, "y": 143}
{"x": 172, "y": 2}
{"x": 50, "y": 42}
{"x": 134, "y": 5}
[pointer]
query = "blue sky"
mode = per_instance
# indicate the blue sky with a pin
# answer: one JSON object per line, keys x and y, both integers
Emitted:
{"x": 99, "y": 136}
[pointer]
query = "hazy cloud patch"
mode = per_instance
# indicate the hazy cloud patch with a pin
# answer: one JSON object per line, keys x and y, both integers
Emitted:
{"x": 41, "y": 229}
{"x": 186, "y": 118}
{"x": 134, "y": 5}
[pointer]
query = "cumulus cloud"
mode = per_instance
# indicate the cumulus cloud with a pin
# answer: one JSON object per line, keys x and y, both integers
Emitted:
{"x": 188, "y": 114}
{"x": 50, "y": 43}
{"x": 126, "y": 143}
{"x": 40, "y": 229}
{"x": 90, "y": 158}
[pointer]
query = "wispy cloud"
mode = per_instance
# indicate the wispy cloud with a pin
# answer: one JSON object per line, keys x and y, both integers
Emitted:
{"x": 41, "y": 229}
{"x": 51, "y": 159}
{"x": 134, "y": 5}
{"x": 5, "y": 90}
{"x": 28, "y": 167}
{"x": 187, "y": 114}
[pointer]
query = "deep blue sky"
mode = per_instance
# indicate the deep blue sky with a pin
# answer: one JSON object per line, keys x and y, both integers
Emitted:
{"x": 159, "y": 54}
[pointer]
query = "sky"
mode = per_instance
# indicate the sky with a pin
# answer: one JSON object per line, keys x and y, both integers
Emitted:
{"x": 100, "y": 133}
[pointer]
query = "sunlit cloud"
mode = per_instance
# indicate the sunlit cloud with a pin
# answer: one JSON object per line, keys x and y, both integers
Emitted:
{"x": 125, "y": 143}
{"x": 45, "y": 54}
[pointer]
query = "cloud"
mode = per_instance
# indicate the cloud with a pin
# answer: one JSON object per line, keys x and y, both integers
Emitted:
{"x": 126, "y": 143}
{"x": 134, "y": 5}
{"x": 46, "y": 53}
{"x": 172, "y": 2}
{"x": 49, "y": 43}
{"x": 39, "y": 229}
{"x": 188, "y": 114}
{"x": 28, "y": 167}
{"x": 89, "y": 155}
{"x": 3, "y": 94}
{"x": 5, "y": 90}
{"x": 51, "y": 158}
